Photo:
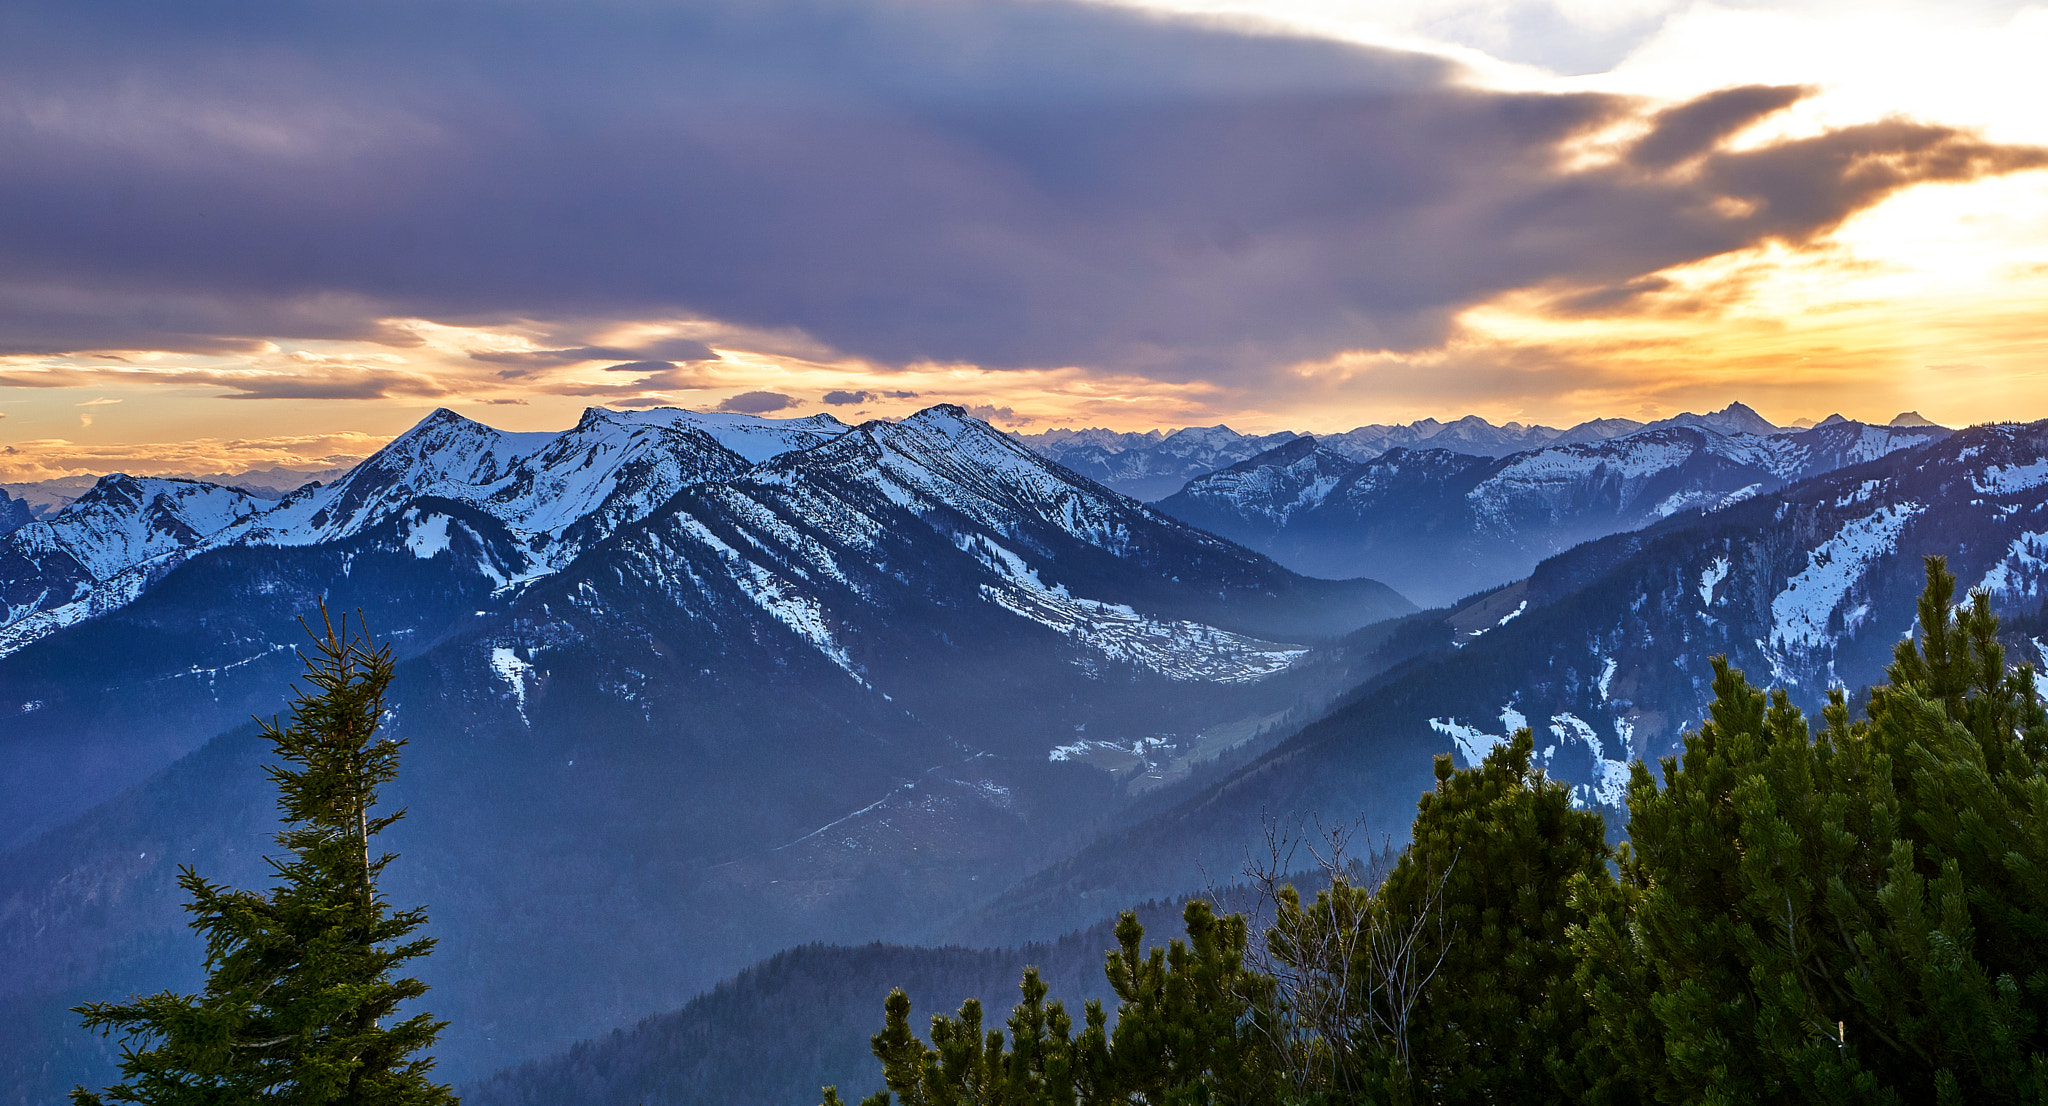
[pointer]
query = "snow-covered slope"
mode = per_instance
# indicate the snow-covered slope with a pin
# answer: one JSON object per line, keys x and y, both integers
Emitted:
{"x": 105, "y": 548}
{"x": 751, "y": 436}
{"x": 1806, "y": 589}
{"x": 1152, "y": 464}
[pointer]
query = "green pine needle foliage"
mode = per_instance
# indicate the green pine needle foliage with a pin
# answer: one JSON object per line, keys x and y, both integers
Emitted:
{"x": 1852, "y": 914}
{"x": 300, "y": 1005}
{"x": 1183, "y": 1035}
{"x": 1498, "y": 875}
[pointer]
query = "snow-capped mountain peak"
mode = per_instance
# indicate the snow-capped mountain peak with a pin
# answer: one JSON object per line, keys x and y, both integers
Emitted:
{"x": 754, "y": 437}
{"x": 942, "y": 457}
{"x": 125, "y": 520}
{"x": 1736, "y": 418}
{"x": 556, "y": 493}
{"x": 105, "y": 548}
{"x": 445, "y": 451}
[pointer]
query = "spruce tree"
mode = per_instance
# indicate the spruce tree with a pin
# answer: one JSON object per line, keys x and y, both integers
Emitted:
{"x": 299, "y": 985}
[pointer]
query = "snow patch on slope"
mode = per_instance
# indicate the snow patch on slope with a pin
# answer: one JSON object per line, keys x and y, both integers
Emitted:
{"x": 509, "y": 668}
{"x": 1137, "y": 748}
{"x": 1471, "y": 742}
{"x": 427, "y": 536}
{"x": 1711, "y": 579}
{"x": 1176, "y": 649}
{"x": 2010, "y": 479}
{"x": 1609, "y": 786}
{"x": 1741, "y": 494}
{"x": 1800, "y": 614}
{"x": 2020, "y": 571}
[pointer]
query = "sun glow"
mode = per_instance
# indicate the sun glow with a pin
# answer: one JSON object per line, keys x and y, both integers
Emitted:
{"x": 1932, "y": 299}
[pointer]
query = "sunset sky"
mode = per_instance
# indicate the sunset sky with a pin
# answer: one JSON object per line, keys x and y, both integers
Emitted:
{"x": 237, "y": 233}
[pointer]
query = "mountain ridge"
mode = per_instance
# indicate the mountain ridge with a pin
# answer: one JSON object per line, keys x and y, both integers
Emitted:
{"x": 1440, "y": 524}
{"x": 1149, "y": 465}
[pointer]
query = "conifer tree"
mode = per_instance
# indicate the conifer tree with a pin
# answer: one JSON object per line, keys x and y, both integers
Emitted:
{"x": 1450, "y": 982}
{"x": 299, "y": 985}
{"x": 1184, "y": 1035}
{"x": 1187, "y": 1015}
{"x": 1044, "y": 1064}
{"x": 1857, "y": 914}
{"x": 1489, "y": 886}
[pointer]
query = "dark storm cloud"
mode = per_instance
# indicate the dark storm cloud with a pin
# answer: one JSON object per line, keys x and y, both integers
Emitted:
{"x": 988, "y": 412}
{"x": 654, "y": 376}
{"x": 642, "y": 367}
{"x": 757, "y": 403}
{"x": 839, "y": 398}
{"x": 1608, "y": 299}
{"x": 1008, "y": 182}
{"x": 667, "y": 350}
{"x": 1693, "y": 128}
{"x": 313, "y": 382}
{"x": 360, "y": 385}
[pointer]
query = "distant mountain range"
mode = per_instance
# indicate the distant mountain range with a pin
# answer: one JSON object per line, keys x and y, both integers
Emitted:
{"x": 1157, "y": 463}
{"x": 1145, "y": 465}
{"x": 1439, "y": 525}
{"x": 23, "y": 503}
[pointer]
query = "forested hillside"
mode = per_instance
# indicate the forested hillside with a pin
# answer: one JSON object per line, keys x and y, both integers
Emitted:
{"x": 800, "y": 1020}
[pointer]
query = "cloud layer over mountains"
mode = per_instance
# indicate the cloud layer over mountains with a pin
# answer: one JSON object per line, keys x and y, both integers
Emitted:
{"x": 1007, "y": 183}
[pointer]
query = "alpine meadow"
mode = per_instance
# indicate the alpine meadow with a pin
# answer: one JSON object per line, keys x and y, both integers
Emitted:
{"x": 1023, "y": 553}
